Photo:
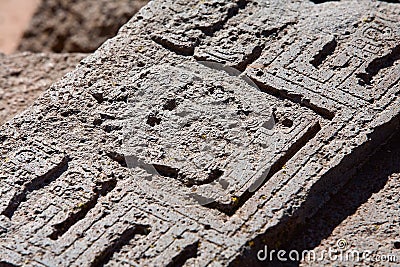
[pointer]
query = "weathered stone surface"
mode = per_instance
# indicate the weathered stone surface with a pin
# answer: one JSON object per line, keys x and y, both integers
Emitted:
{"x": 76, "y": 26}
{"x": 212, "y": 132}
{"x": 363, "y": 216}
{"x": 24, "y": 76}
{"x": 333, "y": 103}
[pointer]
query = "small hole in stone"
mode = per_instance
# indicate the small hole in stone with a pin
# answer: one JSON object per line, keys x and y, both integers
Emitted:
{"x": 287, "y": 123}
{"x": 170, "y": 105}
{"x": 152, "y": 120}
{"x": 397, "y": 244}
{"x": 260, "y": 73}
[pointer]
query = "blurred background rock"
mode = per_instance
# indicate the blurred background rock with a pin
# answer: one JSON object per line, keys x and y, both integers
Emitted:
{"x": 39, "y": 40}
{"x": 76, "y": 25}
{"x": 61, "y": 25}
{"x": 15, "y": 16}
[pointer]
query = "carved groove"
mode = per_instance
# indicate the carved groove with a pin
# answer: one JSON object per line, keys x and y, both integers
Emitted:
{"x": 255, "y": 54}
{"x": 102, "y": 189}
{"x": 327, "y": 50}
{"x": 257, "y": 51}
{"x": 184, "y": 49}
{"x": 166, "y": 171}
{"x": 36, "y": 184}
{"x": 188, "y": 252}
{"x": 295, "y": 222}
{"x": 386, "y": 61}
{"x": 116, "y": 245}
{"x": 187, "y": 48}
{"x": 230, "y": 209}
{"x": 233, "y": 11}
{"x": 299, "y": 99}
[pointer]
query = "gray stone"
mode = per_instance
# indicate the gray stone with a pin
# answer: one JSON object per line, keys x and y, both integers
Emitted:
{"x": 334, "y": 100}
{"x": 24, "y": 76}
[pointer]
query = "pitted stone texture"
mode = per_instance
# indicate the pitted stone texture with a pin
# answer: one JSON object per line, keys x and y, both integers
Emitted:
{"x": 84, "y": 116}
{"x": 364, "y": 214}
{"x": 346, "y": 59}
{"x": 185, "y": 122}
{"x": 76, "y": 26}
{"x": 243, "y": 38}
{"x": 212, "y": 132}
{"x": 189, "y": 22}
{"x": 24, "y": 76}
{"x": 26, "y": 168}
